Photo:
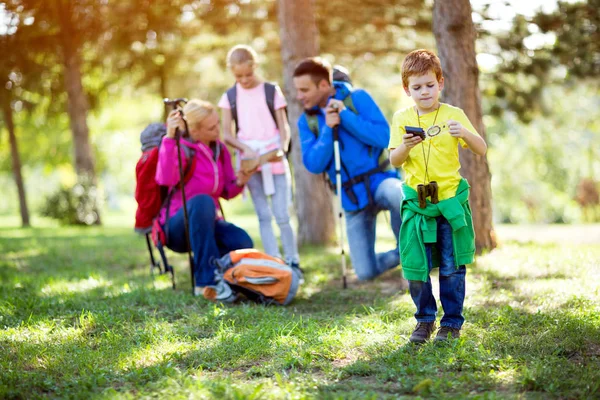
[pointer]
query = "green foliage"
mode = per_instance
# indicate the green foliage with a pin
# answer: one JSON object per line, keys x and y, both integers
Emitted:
{"x": 134, "y": 53}
{"x": 577, "y": 36}
{"x": 80, "y": 317}
{"x": 527, "y": 65}
{"x": 179, "y": 49}
{"x": 76, "y": 205}
{"x": 131, "y": 50}
{"x": 536, "y": 167}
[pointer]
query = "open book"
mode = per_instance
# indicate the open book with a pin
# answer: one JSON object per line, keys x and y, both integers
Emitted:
{"x": 250, "y": 164}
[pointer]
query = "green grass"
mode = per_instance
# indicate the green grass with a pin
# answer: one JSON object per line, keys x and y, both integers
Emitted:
{"x": 81, "y": 317}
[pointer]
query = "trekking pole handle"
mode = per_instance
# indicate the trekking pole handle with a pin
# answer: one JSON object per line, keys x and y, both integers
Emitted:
{"x": 336, "y": 144}
{"x": 336, "y": 136}
{"x": 174, "y": 102}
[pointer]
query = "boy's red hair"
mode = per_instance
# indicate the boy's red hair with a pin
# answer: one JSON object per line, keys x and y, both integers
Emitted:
{"x": 419, "y": 62}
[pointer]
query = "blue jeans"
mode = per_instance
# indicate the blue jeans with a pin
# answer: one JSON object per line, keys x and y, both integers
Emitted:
{"x": 361, "y": 230}
{"x": 452, "y": 283}
{"x": 209, "y": 238}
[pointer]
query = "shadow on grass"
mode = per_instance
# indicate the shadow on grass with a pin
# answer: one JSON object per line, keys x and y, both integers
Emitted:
{"x": 545, "y": 354}
{"x": 85, "y": 299}
{"x": 96, "y": 322}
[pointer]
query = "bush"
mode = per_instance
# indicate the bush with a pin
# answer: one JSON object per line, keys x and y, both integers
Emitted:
{"x": 77, "y": 205}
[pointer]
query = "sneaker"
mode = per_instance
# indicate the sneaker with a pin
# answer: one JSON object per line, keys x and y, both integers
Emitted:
{"x": 198, "y": 291}
{"x": 446, "y": 331}
{"x": 422, "y": 332}
{"x": 220, "y": 292}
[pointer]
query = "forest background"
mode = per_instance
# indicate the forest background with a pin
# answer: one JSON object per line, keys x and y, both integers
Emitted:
{"x": 539, "y": 66}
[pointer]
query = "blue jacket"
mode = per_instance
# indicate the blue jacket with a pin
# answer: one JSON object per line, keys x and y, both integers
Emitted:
{"x": 362, "y": 136}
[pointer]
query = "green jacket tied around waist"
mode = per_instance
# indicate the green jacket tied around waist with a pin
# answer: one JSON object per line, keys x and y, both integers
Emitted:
{"x": 419, "y": 227}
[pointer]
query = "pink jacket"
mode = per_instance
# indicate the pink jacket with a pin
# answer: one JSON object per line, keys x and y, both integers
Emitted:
{"x": 215, "y": 178}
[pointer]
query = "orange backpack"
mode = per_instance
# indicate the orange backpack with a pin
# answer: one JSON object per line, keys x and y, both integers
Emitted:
{"x": 255, "y": 275}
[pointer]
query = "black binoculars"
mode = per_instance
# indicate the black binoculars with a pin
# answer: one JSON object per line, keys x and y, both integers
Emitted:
{"x": 429, "y": 190}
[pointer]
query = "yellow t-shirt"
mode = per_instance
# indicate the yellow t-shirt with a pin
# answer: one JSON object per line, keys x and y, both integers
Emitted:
{"x": 441, "y": 150}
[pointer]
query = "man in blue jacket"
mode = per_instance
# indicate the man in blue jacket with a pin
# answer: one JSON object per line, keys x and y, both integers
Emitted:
{"x": 369, "y": 184}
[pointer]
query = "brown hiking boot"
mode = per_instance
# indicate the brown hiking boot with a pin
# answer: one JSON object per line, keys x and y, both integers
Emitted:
{"x": 422, "y": 332}
{"x": 444, "y": 331}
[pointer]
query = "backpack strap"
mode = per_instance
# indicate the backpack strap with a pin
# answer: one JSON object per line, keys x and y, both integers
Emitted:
{"x": 232, "y": 97}
{"x": 349, "y": 103}
{"x": 383, "y": 159}
{"x": 313, "y": 122}
{"x": 365, "y": 178}
{"x": 270, "y": 96}
{"x": 313, "y": 125}
{"x": 270, "y": 90}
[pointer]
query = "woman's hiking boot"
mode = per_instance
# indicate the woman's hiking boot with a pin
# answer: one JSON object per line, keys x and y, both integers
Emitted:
{"x": 447, "y": 332}
{"x": 422, "y": 332}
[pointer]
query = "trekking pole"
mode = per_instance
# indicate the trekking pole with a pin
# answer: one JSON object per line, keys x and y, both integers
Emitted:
{"x": 338, "y": 184}
{"x": 176, "y": 106}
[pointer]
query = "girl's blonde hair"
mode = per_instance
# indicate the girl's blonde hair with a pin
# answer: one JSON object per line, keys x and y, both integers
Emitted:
{"x": 196, "y": 111}
{"x": 241, "y": 54}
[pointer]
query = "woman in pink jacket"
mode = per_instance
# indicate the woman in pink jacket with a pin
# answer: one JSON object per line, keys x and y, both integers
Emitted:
{"x": 213, "y": 177}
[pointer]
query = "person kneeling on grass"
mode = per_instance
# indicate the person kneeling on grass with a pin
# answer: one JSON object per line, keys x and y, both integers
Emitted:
{"x": 369, "y": 184}
{"x": 438, "y": 231}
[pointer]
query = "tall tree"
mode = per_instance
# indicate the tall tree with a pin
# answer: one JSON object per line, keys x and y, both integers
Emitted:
{"x": 7, "y": 114}
{"x": 300, "y": 39}
{"x": 455, "y": 36}
{"x": 64, "y": 28}
{"x": 10, "y": 77}
{"x": 78, "y": 106}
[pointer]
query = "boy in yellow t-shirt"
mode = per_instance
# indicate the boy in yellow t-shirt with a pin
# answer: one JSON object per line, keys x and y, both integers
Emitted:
{"x": 431, "y": 164}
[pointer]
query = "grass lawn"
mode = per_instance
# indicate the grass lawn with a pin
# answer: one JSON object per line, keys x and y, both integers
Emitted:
{"x": 81, "y": 317}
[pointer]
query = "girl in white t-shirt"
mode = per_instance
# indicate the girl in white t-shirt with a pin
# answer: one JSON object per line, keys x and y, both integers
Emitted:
{"x": 258, "y": 133}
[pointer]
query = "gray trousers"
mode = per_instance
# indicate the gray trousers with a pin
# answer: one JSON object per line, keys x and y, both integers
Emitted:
{"x": 278, "y": 207}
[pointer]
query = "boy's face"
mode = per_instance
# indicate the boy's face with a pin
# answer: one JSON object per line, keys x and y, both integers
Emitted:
{"x": 244, "y": 75}
{"x": 311, "y": 94}
{"x": 425, "y": 90}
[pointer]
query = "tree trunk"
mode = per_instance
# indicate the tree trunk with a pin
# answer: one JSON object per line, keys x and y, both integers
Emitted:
{"x": 162, "y": 76}
{"x": 455, "y": 37}
{"x": 78, "y": 108}
{"x": 313, "y": 201}
{"x": 16, "y": 162}
{"x": 78, "y": 105}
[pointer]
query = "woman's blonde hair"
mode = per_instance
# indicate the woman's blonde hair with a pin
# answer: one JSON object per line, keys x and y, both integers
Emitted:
{"x": 241, "y": 54}
{"x": 196, "y": 111}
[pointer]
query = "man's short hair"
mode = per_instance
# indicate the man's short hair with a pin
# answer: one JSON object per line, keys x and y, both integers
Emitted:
{"x": 420, "y": 62}
{"x": 318, "y": 69}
